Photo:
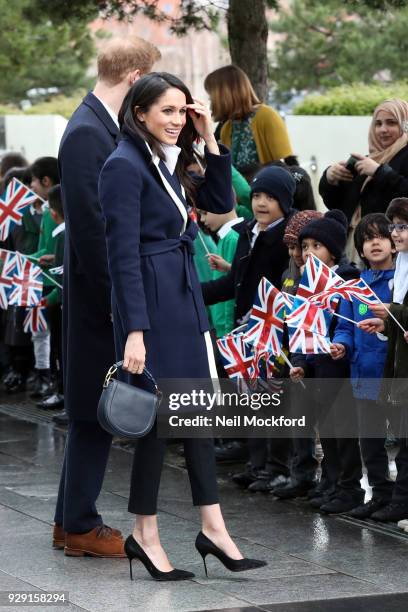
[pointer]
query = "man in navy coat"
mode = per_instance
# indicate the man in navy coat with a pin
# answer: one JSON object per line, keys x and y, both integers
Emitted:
{"x": 89, "y": 139}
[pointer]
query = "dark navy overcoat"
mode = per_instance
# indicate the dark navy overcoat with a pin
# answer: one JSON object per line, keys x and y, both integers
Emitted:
{"x": 88, "y": 344}
{"x": 150, "y": 255}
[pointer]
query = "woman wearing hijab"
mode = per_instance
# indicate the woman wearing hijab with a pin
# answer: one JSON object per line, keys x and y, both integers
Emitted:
{"x": 378, "y": 177}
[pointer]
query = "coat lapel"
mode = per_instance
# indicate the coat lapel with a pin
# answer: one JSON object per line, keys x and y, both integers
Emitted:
{"x": 168, "y": 187}
{"x": 92, "y": 102}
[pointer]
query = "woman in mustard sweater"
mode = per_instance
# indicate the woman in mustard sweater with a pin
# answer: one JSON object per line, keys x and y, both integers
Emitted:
{"x": 254, "y": 132}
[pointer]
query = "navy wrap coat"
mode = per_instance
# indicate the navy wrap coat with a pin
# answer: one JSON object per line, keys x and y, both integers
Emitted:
{"x": 149, "y": 239}
{"x": 88, "y": 345}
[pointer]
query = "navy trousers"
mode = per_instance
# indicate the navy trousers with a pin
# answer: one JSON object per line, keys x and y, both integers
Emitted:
{"x": 86, "y": 455}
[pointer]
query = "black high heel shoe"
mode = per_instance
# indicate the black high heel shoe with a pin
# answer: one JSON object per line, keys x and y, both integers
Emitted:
{"x": 206, "y": 547}
{"x": 134, "y": 551}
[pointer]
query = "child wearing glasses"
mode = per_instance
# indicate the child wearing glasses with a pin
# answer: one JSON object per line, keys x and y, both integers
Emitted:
{"x": 395, "y": 376}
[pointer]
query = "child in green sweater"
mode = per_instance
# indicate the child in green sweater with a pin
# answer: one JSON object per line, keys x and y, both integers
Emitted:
{"x": 44, "y": 174}
{"x": 222, "y": 314}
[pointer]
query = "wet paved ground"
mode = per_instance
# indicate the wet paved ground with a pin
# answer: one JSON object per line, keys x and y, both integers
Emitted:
{"x": 315, "y": 563}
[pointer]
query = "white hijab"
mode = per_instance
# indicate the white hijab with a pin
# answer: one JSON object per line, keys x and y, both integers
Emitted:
{"x": 401, "y": 278}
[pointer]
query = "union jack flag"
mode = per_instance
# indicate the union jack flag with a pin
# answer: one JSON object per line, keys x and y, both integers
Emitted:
{"x": 316, "y": 278}
{"x": 265, "y": 365}
{"x": 192, "y": 213}
{"x": 306, "y": 342}
{"x": 354, "y": 288}
{"x": 237, "y": 357}
{"x": 27, "y": 283}
{"x": 35, "y": 320}
{"x": 309, "y": 317}
{"x": 13, "y": 202}
{"x": 8, "y": 270}
{"x": 265, "y": 325}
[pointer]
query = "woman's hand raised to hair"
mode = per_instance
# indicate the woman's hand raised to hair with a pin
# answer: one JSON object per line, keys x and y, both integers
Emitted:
{"x": 201, "y": 117}
{"x": 338, "y": 172}
{"x": 135, "y": 353}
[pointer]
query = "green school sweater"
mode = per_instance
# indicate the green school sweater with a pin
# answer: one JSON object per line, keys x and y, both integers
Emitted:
{"x": 55, "y": 297}
{"x": 243, "y": 195}
{"x": 204, "y": 271}
{"x": 46, "y": 244}
{"x": 222, "y": 314}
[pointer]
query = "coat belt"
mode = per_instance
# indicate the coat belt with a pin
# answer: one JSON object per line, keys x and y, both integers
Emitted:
{"x": 158, "y": 247}
{"x": 186, "y": 244}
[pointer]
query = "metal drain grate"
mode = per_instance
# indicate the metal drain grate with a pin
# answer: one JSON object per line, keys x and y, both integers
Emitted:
{"x": 20, "y": 407}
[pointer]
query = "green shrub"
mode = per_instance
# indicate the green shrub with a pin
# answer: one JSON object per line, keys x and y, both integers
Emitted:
{"x": 6, "y": 109}
{"x": 355, "y": 99}
{"x": 58, "y": 105}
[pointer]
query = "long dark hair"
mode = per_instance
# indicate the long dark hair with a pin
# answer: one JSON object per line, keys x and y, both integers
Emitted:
{"x": 143, "y": 94}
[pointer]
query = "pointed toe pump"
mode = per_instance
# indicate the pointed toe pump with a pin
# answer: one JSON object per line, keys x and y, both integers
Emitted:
{"x": 206, "y": 547}
{"x": 134, "y": 551}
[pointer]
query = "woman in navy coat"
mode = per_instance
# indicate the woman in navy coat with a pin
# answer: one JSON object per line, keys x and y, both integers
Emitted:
{"x": 158, "y": 310}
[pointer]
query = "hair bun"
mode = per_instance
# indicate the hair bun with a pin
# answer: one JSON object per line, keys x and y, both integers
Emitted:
{"x": 337, "y": 215}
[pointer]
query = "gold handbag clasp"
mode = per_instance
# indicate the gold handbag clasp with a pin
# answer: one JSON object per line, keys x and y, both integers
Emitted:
{"x": 111, "y": 372}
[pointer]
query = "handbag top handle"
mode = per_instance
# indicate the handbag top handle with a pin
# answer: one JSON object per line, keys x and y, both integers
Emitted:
{"x": 113, "y": 369}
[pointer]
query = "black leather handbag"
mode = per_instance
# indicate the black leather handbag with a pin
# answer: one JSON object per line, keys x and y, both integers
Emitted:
{"x": 126, "y": 411}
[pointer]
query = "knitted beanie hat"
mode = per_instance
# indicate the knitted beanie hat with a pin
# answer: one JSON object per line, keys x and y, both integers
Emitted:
{"x": 278, "y": 183}
{"x": 297, "y": 223}
{"x": 330, "y": 230}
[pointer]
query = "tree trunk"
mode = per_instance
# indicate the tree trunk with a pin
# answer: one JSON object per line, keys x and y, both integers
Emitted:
{"x": 247, "y": 37}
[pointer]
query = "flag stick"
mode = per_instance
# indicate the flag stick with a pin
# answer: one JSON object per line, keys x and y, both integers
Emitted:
{"x": 286, "y": 360}
{"x": 203, "y": 242}
{"x": 238, "y": 328}
{"x": 387, "y": 309}
{"x": 343, "y": 317}
{"x": 51, "y": 279}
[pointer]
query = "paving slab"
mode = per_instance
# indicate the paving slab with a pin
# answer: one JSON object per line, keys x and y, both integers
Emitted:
{"x": 315, "y": 562}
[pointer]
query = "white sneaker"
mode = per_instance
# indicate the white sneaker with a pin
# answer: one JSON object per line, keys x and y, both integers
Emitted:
{"x": 403, "y": 524}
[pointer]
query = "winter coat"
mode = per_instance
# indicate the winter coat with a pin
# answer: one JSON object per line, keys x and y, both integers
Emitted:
{"x": 395, "y": 376}
{"x": 155, "y": 287}
{"x": 268, "y": 257}
{"x": 88, "y": 345}
{"x": 366, "y": 352}
{"x": 390, "y": 181}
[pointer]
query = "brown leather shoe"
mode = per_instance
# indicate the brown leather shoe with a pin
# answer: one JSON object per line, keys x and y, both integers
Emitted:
{"x": 58, "y": 537}
{"x": 101, "y": 541}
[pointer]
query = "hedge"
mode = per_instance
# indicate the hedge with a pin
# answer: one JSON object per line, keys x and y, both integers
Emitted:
{"x": 58, "y": 105}
{"x": 355, "y": 99}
